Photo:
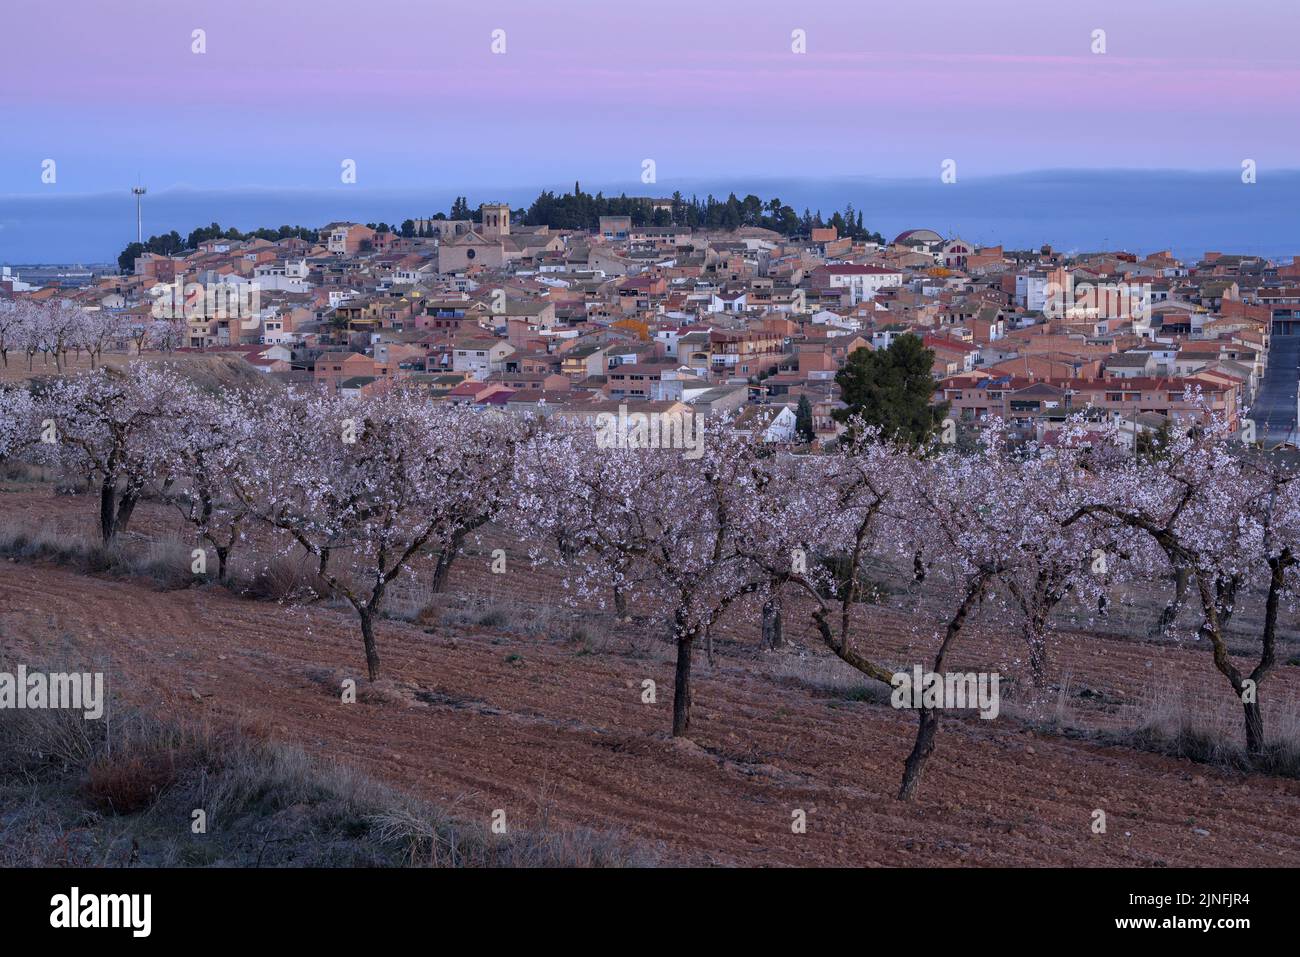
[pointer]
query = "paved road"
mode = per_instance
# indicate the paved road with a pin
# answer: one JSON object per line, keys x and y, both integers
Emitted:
{"x": 1275, "y": 406}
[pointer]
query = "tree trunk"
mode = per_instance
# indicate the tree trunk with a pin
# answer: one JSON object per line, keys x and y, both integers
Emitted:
{"x": 442, "y": 570}
{"x": 682, "y": 686}
{"x": 1254, "y": 730}
{"x": 1226, "y": 600}
{"x": 1278, "y": 564}
{"x": 928, "y": 721}
{"x": 368, "y": 639}
{"x": 1167, "y": 616}
{"x": 772, "y": 625}
{"x": 1036, "y": 636}
{"x": 107, "y": 510}
{"x": 125, "y": 506}
{"x": 223, "y": 556}
{"x": 927, "y": 725}
{"x": 620, "y": 604}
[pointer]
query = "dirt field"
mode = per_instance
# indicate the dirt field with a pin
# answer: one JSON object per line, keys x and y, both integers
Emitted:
{"x": 207, "y": 369}
{"x": 546, "y": 722}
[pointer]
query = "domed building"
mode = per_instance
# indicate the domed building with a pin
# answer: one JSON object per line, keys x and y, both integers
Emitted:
{"x": 918, "y": 237}
{"x": 951, "y": 253}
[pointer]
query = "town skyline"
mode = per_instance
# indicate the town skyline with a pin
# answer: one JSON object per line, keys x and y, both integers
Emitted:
{"x": 1072, "y": 210}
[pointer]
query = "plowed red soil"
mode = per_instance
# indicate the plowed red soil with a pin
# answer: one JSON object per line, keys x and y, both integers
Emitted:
{"x": 480, "y": 719}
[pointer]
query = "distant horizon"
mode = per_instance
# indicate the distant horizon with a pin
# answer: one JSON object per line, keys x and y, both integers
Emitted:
{"x": 1071, "y": 208}
{"x": 666, "y": 188}
{"x": 251, "y": 114}
{"x": 281, "y": 95}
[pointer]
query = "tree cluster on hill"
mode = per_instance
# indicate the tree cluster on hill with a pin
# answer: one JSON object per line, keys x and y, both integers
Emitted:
{"x": 582, "y": 210}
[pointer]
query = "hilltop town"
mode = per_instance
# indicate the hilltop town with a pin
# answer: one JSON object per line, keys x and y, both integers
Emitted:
{"x": 487, "y": 311}
{"x": 322, "y": 488}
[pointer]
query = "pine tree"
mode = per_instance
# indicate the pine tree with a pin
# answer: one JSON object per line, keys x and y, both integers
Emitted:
{"x": 891, "y": 389}
{"x": 803, "y": 420}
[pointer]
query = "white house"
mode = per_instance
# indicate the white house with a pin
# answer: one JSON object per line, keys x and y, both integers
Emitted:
{"x": 863, "y": 282}
{"x": 1031, "y": 290}
{"x": 480, "y": 357}
{"x": 728, "y": 302}
{"x": 289, "y": 276}
{"x": 780, "y": 427}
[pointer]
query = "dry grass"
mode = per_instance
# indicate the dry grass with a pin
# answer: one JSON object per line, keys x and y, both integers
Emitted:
{"x": 1170, "y": 720}
{"x": 25, "y": 539}
{"x": 827, "y": 675}
{"x": 1167, "y": 717}
{"x": 164, "y": 563}
{"x": 518, "y": 618}
{"x": 282, "y": 577}
{"x": 124, "y": 791}
{"x": 408, "y": 599}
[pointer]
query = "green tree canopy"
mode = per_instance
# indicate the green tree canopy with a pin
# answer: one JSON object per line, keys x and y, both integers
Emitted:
{"x": 891, "y": 389}
{"x": 803, "y": 420}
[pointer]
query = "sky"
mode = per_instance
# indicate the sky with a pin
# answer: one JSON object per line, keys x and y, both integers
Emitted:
{"x": 412, "y": 92}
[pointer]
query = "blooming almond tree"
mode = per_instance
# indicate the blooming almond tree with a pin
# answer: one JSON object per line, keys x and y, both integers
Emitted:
{"x": 62, "y": 326}
{"x": 109, "y": 426}
{"x": 15, "y": 327}
{"x": 1056, "y": 557}
{"x": 975, "y": 520}
{"x": 98, "y": 330}
{"x": 660, "y": 525}
{"x": 165, "y": 335}
{"x": 817, "y": 520}
{"x": 951, "y": 511}
{"x": 969, "y": 521}
{"x": 207, "y": 445}
{"x": 30, "y": 336}
{"x": 1223, "y": 515}
{"x": 1274, "y": 509}
{"x": 367, "y": 485}
{"x": 19, "y": 427}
